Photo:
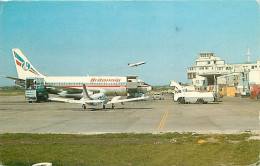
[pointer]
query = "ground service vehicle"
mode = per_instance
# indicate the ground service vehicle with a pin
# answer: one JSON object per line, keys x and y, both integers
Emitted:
{"x": 194, "y": 97}
{"x": 158, "y": 96}
{"x": 183, "y": 96}
{"x": 35, "y": 90}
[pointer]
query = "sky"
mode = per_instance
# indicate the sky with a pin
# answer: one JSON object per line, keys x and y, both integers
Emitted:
{"x": 62, "y": 38}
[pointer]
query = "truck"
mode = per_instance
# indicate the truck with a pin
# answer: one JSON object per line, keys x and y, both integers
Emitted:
{"x": 194, "y": 97}
{"x": 35, "y": 90}
{"x": 183, "y": 96}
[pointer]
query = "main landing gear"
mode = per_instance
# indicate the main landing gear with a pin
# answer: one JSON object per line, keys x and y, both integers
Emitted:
{"x": 84, "y": 106}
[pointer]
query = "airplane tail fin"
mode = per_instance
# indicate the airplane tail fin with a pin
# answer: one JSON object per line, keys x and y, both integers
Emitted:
{"x": 85, "y": 93}
{"x": 23, "y": 66}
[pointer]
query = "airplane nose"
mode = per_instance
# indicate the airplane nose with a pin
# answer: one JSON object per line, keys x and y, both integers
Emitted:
{"x": 149, "y": 88}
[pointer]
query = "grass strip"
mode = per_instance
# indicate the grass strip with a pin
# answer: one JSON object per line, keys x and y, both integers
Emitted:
{"x": 129, "y": 149}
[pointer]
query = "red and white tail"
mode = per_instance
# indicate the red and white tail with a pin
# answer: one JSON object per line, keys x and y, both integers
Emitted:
{"x": 85, "y": 93}
{"x": 23, "y": 66}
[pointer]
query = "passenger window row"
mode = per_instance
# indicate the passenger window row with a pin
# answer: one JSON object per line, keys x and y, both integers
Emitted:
{"x": 75, "y": 83}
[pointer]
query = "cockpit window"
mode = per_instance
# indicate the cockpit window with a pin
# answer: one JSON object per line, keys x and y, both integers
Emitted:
{"x": 143, "y": 83}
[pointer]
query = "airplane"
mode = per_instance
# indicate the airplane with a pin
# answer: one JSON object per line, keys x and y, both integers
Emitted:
{"x": 136, "y": 64}
{"x": 97, "y": 99}
{"x": 72, "y": 85}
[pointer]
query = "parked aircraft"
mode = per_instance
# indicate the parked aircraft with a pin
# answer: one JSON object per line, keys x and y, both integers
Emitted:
{"x": 72, "y": 85}
{"x": 97, "y": 99}
{"x": 136, "y": 64}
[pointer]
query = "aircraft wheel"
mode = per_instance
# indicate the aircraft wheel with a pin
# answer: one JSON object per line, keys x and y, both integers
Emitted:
{"x": 104, "y": 106}
{"x": 113, "y": 106}
{"x": 84, "y": 106}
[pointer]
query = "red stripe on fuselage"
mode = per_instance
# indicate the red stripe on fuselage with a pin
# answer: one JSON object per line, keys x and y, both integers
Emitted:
{"x": 96, "y": 86}
{"x": 101, "y": 86}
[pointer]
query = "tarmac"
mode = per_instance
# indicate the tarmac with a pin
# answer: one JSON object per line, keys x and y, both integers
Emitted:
{"x": 233, "y": 115}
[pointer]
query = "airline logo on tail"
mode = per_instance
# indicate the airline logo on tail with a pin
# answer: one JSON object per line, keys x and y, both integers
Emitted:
{"x": 24, "y": 65}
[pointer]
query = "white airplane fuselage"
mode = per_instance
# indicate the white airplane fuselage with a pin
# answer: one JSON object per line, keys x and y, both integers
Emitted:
{"x": 136, "y": 64}
{"x": 112, "y": 85}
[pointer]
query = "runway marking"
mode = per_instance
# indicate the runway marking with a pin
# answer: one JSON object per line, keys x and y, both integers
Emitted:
{"x": 162, "y": 122}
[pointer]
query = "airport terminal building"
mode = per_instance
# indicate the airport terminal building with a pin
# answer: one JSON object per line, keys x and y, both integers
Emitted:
{"x": 209, "y": 67}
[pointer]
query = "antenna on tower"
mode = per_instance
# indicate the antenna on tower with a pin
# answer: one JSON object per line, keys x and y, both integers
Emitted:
{"x": 248, "y": 55}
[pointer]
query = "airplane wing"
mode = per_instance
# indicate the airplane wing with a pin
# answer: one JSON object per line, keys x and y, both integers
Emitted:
{"x": 13, "y": 78}
{"x": 17, "y": 81}
{"x": 118, "y": 99}
{"x": 75, "y": 101}
{"x": 59, "y": 99}
{"x": 85, "y": 102}
{"x": 141, "y": 63}
{"x": 71, "y": 90}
